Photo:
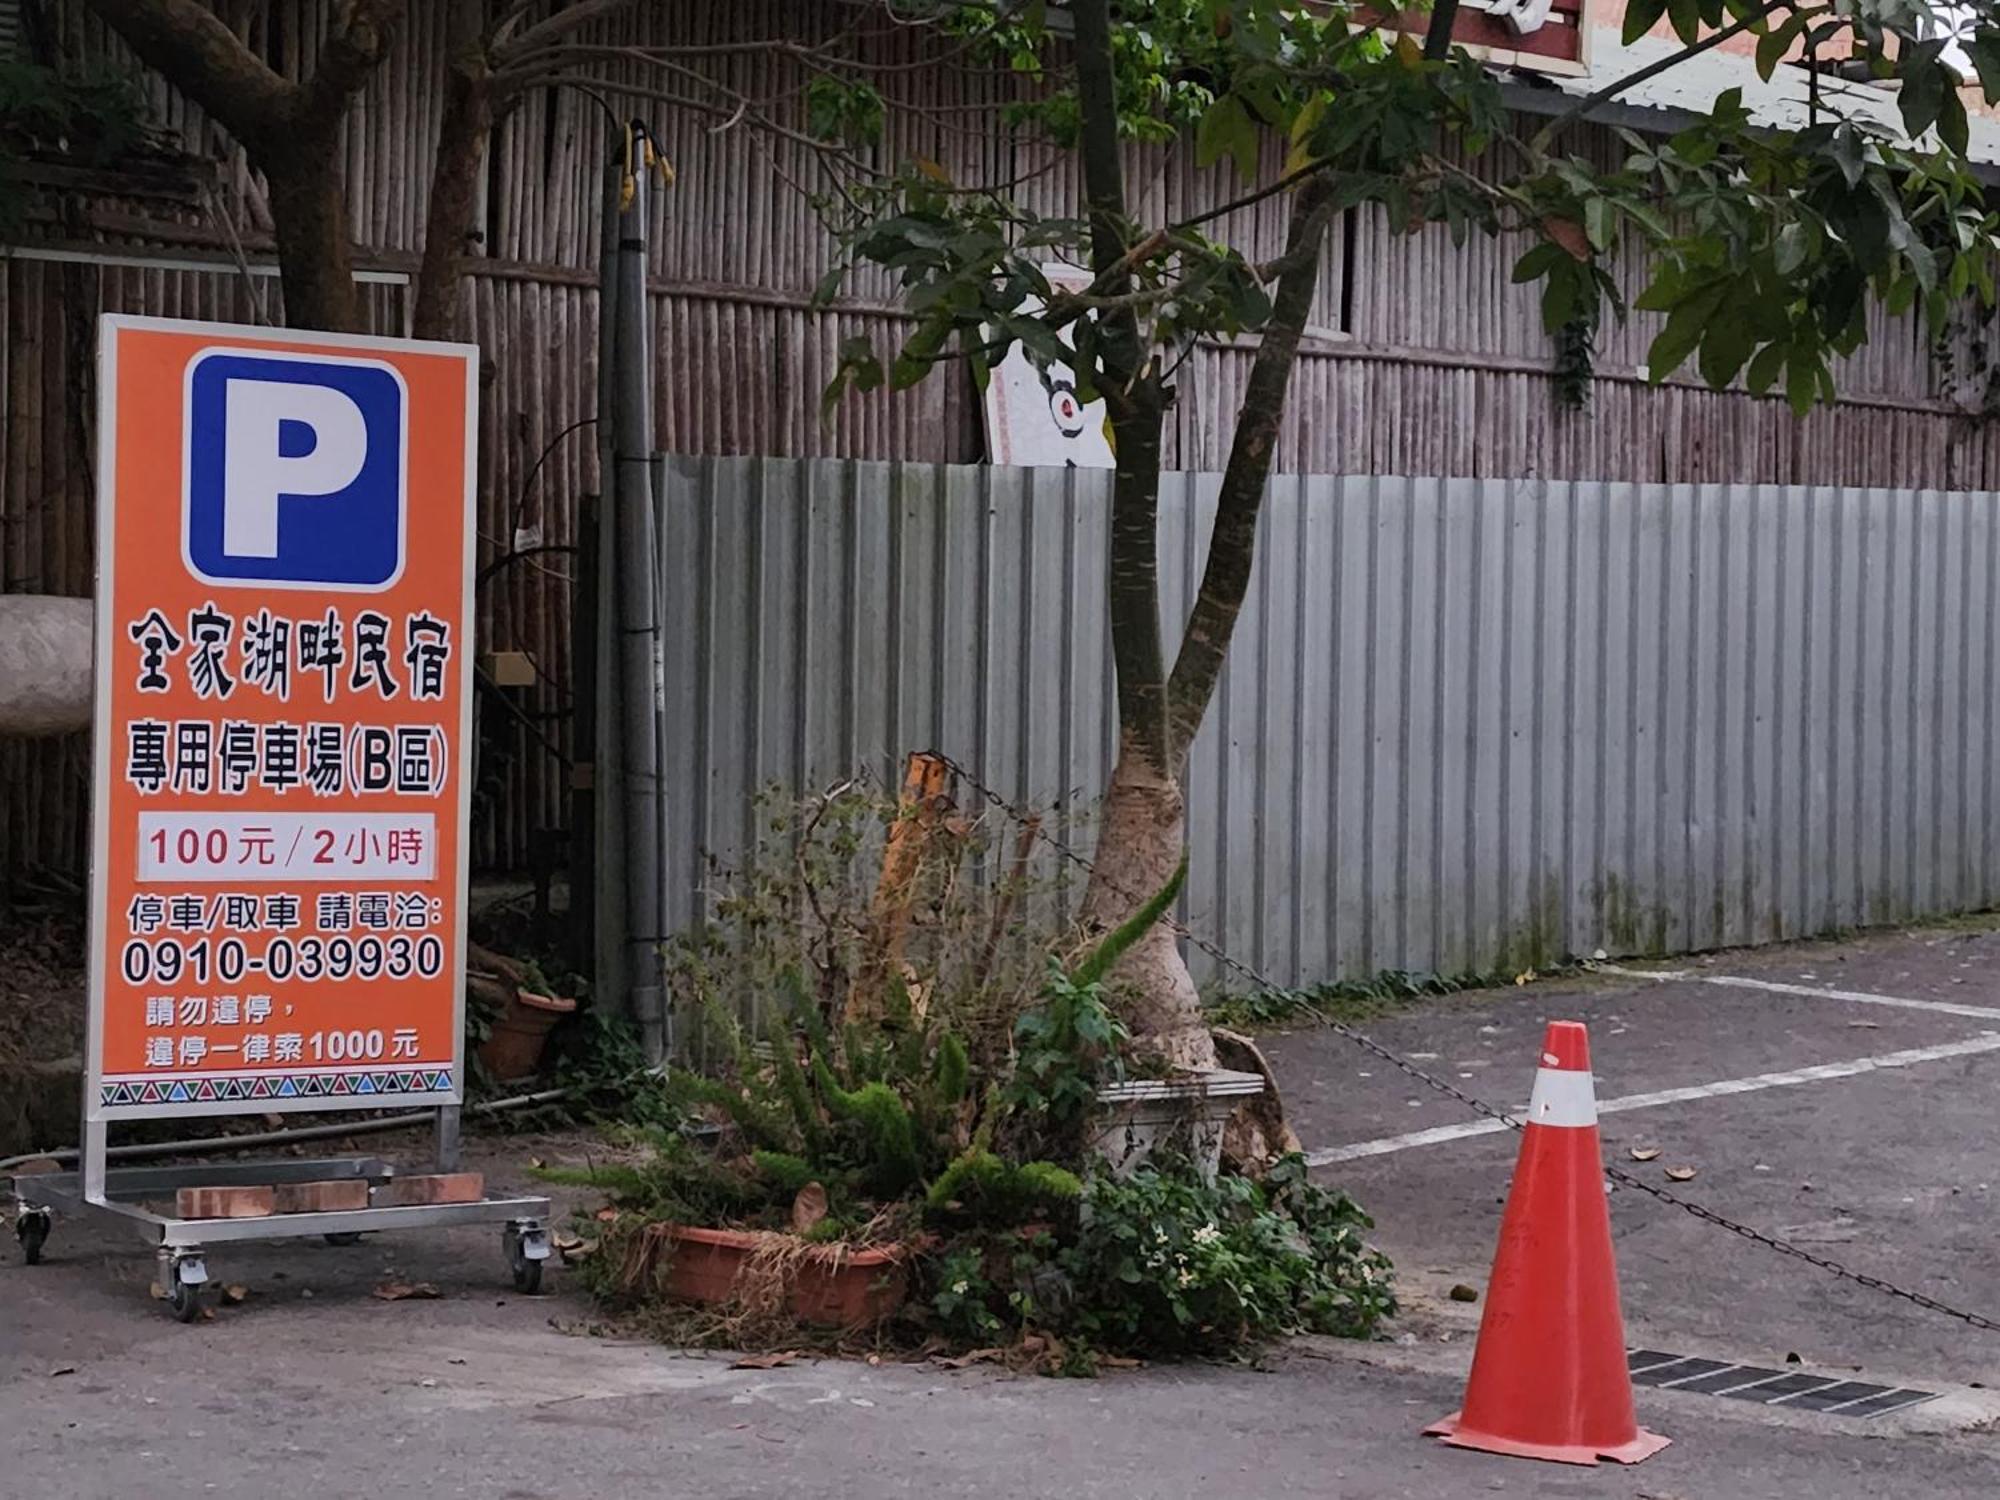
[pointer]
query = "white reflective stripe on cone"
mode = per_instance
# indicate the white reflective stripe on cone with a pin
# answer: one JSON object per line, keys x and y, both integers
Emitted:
{"x": 1562, "y": 1097}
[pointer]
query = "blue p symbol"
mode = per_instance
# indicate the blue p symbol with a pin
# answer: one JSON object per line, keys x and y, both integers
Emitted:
{"x": 295, "y": 471}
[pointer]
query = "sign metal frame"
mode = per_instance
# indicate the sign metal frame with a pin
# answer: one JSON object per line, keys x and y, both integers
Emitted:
{"x": 120, "y": 1195}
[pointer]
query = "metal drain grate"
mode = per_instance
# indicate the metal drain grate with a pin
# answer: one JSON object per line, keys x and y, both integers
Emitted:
{"x": 1827, "y": 1393}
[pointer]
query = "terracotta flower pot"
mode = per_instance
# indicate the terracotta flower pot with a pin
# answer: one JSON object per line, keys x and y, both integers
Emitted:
{"x": 833, "y": 1288}
{"x": 514, "y": 1050}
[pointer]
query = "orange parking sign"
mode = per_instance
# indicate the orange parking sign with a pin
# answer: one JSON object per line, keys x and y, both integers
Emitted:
{"x": 284, "y": 694}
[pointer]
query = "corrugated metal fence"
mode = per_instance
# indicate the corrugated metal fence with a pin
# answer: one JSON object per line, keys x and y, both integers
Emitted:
{"x": 1466, "y": 723}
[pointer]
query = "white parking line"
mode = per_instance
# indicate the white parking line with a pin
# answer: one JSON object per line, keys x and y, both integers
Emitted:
{"x": 1858, "y": 997}
{"x": 1821, "y": 1073}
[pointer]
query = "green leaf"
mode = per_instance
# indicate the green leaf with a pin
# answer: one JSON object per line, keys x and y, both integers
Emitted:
{"x": 1640, "y": 17}
{"x": 1561, "y": 298}
{"x": 919, "y": 352}
{"x": 1303, "y": 126}
{"x": 1227, "y": 130}
{"x": 1725, "y": 345}
{"x": 1791, "y": 249}
{"x": 1600, "y": 222}
{"x": 1954, "y": 130}
{"x": 1764, "y": 368}
{"x": 1672, "y": 346}
{"x": 1801, "y": 380}
{"x": 1686, "y": 18}
{"x": 1846, "y": 151}
{"x": 1984, "y": 50}
{"x": 1685, "y": 327}
{"x": 1773, "y": 45}
{"x": 1922, "y": 97}
{"x": 1539, "y": 261}
{"x": 1902, "y": 296}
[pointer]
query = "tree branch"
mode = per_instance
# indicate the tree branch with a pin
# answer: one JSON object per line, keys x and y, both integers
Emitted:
{"x": 1232, "y": 544}
{"x": 190, "y": 44}
{"x": 1136, "y": 404}
{"x": 1437, "y": 36}
{"x": 547, "y": 30}
{"x": 353, "y": 49}
{"x": 825, "y": 150}
{"x": 1617, "y": 86}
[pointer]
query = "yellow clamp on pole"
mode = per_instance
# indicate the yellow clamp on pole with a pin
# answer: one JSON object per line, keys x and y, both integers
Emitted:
{"x": 657, "y": 160}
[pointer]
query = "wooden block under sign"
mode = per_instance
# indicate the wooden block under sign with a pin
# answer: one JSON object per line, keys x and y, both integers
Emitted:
{"x": 223, "y": 1202}
{"x": 442, "y": 1187}
{"x": 336, "y": 1196}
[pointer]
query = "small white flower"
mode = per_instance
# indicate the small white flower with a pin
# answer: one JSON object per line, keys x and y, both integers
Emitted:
{"x": 1187, "y": 1278}
{"x": 1208, "y": 1234}
{"x": 959, "y": 1288}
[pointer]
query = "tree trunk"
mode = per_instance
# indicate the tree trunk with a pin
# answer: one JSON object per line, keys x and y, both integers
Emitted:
{"x": 309, "y": 216}
{"x": 1142, "y": 832}
{"x": 291, "y": 130}
{"x": 1143, "y": 824}
{"x": 461, "y": 150}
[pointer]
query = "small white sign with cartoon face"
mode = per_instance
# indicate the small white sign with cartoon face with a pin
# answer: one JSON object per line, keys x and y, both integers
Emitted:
{"x": 1034, "y": 418}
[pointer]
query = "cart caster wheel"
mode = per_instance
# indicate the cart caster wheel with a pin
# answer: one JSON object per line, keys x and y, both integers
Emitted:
{"x": 524, "y": 1260}
{"x": 184, "y": 1301}
{"x": 32, "y": 1229}
{"x": 350, "y": 1238}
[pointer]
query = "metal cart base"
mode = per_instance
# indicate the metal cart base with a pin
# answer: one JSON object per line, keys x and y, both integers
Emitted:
{"x": 181, "y": 1243}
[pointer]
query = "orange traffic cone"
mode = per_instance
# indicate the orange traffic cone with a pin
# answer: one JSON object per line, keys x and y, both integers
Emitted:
{"x": 1549, "y": 1377}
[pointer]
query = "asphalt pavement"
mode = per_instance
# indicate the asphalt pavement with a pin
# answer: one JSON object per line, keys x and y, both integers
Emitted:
{"x": 1842, "y": 1098}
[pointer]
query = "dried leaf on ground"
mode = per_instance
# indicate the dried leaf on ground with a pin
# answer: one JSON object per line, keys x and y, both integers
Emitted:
{"x": 406, "y": 1291}
{"x": 1119, "y": 1362}
{"x": 773, "y": 1361}
{"x": 1680, "y": 1174}
{"x": 971, "y": 1357}
{"x": 1645, "y": 1153}
{"x": 607, "y": 1215}
{"x": 234, "y": 1293}
{"x": 62, "y": 1370}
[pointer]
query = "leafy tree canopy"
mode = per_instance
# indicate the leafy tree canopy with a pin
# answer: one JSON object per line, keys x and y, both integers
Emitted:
{"x": 1762, "y": 246}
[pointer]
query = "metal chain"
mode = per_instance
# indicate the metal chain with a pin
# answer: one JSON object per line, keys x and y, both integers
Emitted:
{"x": 1477, "y": 1105}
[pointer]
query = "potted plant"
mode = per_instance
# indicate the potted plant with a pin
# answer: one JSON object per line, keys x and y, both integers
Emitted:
{"x": 521, "y": 1007}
